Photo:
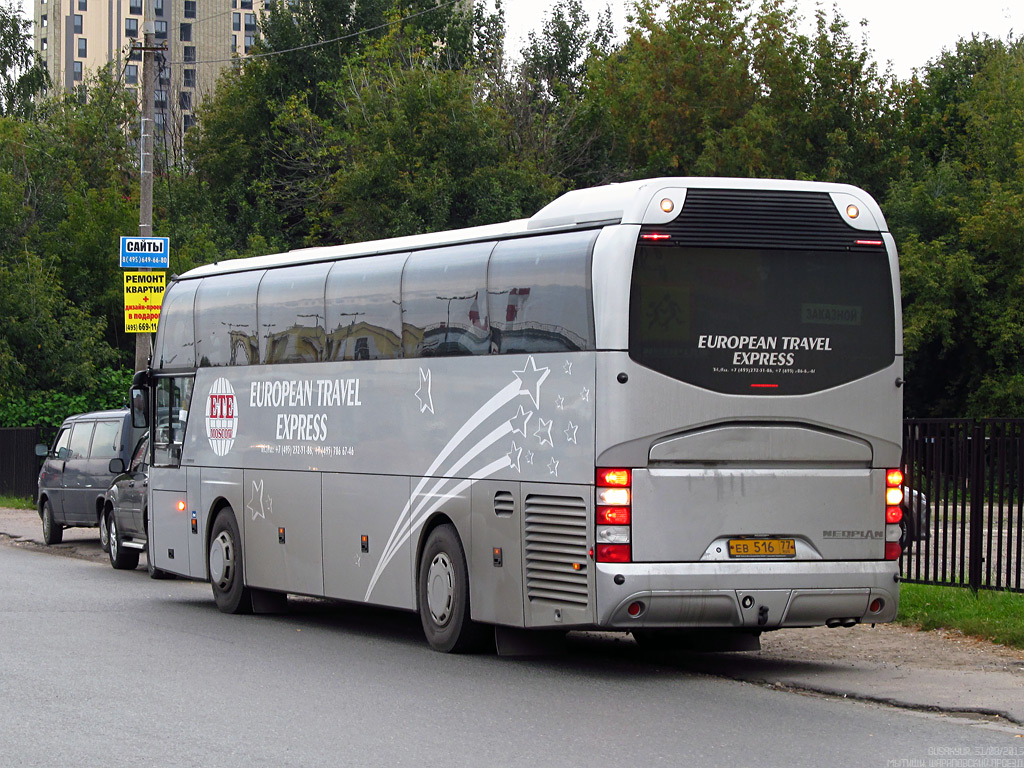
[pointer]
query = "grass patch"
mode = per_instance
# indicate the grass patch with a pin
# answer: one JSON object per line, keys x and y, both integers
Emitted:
{"x": 16, "y": 502}
{"x": 994, "y": 616}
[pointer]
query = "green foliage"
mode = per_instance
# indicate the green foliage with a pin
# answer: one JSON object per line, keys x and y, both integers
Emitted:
{"x": 391, "y": 117}
{"x": 994, "y": 616}
{"x": 16, "y": 502}
{"x": 955, "y": 216}
{"x": 22, "y": 73}
{"x": 48, "y": 408}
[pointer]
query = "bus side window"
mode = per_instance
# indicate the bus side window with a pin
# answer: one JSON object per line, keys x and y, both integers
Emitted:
{"x": 290, "y": 313}
{"x": 444, "y": 302}
{"x": 364, "y": 314}
{"x": 226, "y": 321}
{"x": 176, "y": 336}
{"x": 540, "y": 294}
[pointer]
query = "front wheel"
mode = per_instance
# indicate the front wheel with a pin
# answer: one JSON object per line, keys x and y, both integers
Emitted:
{"x": 443, "y": 588}
{"x": 225, "y": 561}
{"x": 53, "y": 532}
{"x": 104, "y": 533}
{"x": 120, "y": 558}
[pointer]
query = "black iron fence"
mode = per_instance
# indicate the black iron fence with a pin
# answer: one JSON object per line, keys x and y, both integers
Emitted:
{"x": 964, "y": 509}
{"x": 19, "y": 465}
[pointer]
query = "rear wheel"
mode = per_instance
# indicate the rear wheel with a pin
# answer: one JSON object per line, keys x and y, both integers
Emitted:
{"x": 53, "y": 532}
{"x": 225, "y": 561}
{"x": 444, "y": 594}
{"x": 120, "y": 558}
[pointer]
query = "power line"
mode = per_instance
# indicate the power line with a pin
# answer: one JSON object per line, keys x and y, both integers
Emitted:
{"x": 321, "y": 43}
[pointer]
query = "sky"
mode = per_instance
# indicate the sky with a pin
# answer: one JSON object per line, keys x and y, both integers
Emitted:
{"x": 906, "y": 32}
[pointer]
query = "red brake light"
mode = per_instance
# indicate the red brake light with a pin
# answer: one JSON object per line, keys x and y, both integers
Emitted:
{"x": 615, "y": 553}
{"x": 893, "y": 514}
{"x": 654, "y": 236}
{"x": 894, "y": 478}
{"x": 613, "y": 478}
{"x": 613, "y": 515}
{"x": 893, "y": 550}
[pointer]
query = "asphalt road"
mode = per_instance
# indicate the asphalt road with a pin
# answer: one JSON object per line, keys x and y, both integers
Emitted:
{"x": 99, "y": 667}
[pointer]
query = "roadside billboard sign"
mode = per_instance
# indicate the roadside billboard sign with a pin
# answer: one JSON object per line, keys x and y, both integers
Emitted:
{"x": 143, "y": 297}
{"x": 139, "y": 252}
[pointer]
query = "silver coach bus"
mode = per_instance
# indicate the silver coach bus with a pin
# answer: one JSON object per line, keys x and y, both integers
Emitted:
{"x": 670, "y": 407}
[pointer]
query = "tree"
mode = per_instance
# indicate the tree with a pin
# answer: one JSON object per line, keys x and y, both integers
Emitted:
{"x": 955, "y": 215}
{"x": 22, "y": 74}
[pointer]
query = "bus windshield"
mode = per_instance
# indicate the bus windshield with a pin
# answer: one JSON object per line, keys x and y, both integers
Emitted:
{"x": 761, "y": 322}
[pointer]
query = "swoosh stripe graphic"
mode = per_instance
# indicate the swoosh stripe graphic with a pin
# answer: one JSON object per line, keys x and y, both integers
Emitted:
{"x": 398, "y": 533}
{"x": 426, "y": 496}
{"x": 487, "y": 471}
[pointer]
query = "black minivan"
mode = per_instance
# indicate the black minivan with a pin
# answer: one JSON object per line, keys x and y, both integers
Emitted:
{"x": 76, "y": 472}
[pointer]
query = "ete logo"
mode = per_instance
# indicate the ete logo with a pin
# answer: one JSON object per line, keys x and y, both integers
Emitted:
{"x": 221, "y": 417}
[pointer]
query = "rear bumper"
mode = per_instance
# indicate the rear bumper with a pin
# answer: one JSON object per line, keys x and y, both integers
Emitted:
{"x": 761, "y": 596}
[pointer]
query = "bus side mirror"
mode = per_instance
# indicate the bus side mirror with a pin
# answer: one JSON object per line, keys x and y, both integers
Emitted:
{"x": 140, "y": 407}
{"x": 42, "y": 450}
{"x": 116, "y": 466}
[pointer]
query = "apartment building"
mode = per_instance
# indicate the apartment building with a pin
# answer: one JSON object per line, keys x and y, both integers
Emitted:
{"x": 202, "y": 37}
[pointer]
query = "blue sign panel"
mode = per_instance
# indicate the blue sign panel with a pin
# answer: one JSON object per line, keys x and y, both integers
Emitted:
{"x": 145, "y": 252}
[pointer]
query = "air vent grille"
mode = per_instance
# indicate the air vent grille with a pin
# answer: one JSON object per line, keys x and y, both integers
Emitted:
{"x": 556, "y": 549}
{"x": 730, "y": 218}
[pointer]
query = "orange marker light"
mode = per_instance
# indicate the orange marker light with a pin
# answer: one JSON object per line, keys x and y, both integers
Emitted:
{"x": 893, "y": 497}
{"x": 181, "y": 506}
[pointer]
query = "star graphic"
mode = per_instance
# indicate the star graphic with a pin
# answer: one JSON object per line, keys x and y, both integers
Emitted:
{"x": 560, "y": 403}
{"x": 520, "y": 420}
{"x": 265, "y": 505}
{"x": 513, "y": 457}
{"x": 543, "y": 432}
{"x": 570, "y": 432}
{"x": 585, "y": 394}
{"x": 567, "y": 367}
{"x": 426, "y": 399}
{"x": 531, "y": 377}
{"x": 553, "y": 467}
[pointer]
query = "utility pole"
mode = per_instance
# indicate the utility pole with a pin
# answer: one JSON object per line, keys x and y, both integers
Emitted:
{"x": 144, "y": 341}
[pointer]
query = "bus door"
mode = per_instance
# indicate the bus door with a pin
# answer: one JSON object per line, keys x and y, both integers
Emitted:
{"x": 170, "y": 512}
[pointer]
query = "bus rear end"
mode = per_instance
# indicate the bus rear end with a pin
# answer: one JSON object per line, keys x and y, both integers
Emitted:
{"x": 749, "y": 410}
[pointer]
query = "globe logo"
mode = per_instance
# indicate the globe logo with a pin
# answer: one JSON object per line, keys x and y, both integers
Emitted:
{"x": 221, "y": 417}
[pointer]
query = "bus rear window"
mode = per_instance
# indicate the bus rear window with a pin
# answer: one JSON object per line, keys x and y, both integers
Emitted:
{"x": 759, "y": 321}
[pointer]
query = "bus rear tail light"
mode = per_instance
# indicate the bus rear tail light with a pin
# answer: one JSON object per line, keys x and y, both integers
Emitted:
{"x": 893, "y": 513}
{"x": 613, "y": 515}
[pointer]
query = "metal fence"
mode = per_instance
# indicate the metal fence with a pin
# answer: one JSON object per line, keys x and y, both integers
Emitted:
{"x": 19, "y": 465}
{"x": 964, "y": 505}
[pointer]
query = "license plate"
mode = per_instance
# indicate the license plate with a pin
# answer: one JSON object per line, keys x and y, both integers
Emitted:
{"x": 762, "y": 548}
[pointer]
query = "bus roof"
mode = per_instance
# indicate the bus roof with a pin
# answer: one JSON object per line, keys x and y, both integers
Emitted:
{"x": 624, "y": 203}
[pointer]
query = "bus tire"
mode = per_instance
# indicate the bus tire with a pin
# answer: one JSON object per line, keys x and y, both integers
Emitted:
{"x": 53, "y": 532}
{"x": 120, "y": 558}
{"x": 225, "y": 563}
{"x": 443, "y": 594}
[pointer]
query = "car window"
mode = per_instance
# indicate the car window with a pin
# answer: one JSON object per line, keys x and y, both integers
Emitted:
{"x": 106, "y": 442}
{"x": 61, "y": 443}
{"x": 141, "y": 454}
{"x": 81, "y": 436}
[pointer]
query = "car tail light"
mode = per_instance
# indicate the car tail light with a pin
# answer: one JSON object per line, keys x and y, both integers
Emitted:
{"x": 893, "y": 513}
{"x": 613, "y": 515}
